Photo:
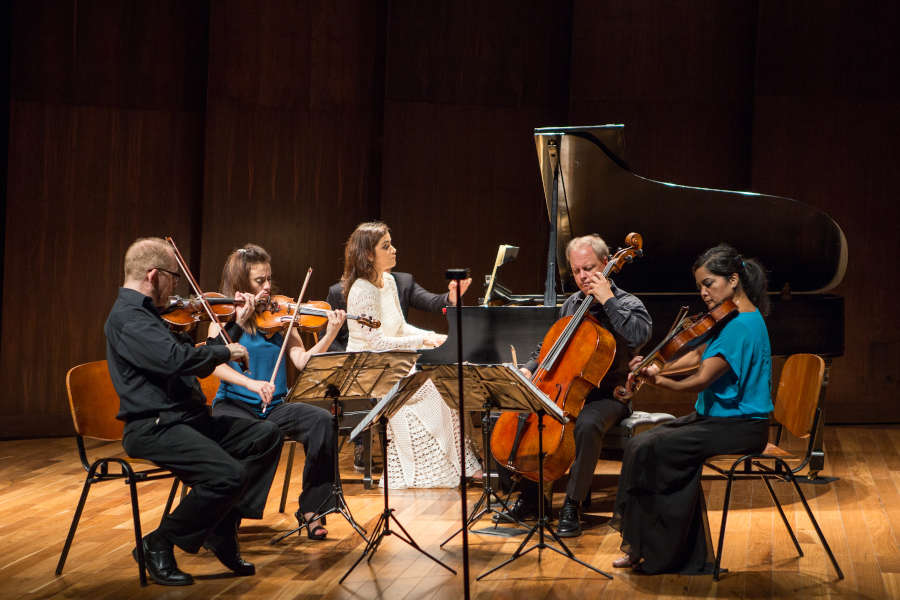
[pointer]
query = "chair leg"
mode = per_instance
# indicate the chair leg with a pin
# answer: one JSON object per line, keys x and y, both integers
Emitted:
{"x": 75, "y": 519}
{"x": 287, "y": 477}
{"x": 138, "y": 535}
{"x": 783, "y": 517}
{"x": 818, "y": 530}
{"x": 171, "y": 499}
{"x": 722, "y": 528}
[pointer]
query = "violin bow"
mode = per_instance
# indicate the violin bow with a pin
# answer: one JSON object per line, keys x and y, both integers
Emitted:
{"x": 288, "y": 332}
{"x": 203, "y": 301}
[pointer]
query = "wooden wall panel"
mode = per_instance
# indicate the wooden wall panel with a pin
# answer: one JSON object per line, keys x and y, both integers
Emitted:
{"x": 288, "y": 123}
{"x": 105, "y": 146}
{"x": 467, "y": 82}
{"x": 826, "y": 130}
{"x": 292, "y": 134}
{"x": 679, "y": 75}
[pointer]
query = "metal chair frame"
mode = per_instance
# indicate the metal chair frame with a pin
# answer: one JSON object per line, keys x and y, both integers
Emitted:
{"x": 98, "y": 471}
{"x": 801, "y": 378}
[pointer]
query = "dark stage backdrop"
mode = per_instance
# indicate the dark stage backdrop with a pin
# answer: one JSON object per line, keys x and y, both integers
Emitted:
{"x": 286, "y": 123}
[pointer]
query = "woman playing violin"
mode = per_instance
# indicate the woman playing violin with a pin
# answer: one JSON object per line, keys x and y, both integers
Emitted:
{"x": 660, "y": 508}
{"x": 248, "y": 276}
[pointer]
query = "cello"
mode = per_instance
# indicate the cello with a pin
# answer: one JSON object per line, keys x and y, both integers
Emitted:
{"x": 575, "y": 355}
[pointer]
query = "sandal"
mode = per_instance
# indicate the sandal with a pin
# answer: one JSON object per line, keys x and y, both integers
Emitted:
{"x": 320, "y": 532}
{"x": 625, "y": 562}
{"x": 317, "y": 532}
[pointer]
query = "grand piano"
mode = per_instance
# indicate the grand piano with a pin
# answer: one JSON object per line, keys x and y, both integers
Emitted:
{"x": 589, "y": 188}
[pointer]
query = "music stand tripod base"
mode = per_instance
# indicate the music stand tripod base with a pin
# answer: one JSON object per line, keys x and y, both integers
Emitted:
{"x": 483, "y": 505}
{"x": 542, "y": 527}
{"x": 383, "y": 525}
{"x": 335, "y": 500}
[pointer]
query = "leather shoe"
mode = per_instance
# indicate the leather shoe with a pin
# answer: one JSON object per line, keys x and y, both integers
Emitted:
{"x": 569, "y": 519}
{"x": 160, "y": 562}
{"x": 225, "y": 547}
{"x": 522, "y": 509}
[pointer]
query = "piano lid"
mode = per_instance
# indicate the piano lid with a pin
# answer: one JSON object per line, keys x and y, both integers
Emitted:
{"x": 799, "y": 244}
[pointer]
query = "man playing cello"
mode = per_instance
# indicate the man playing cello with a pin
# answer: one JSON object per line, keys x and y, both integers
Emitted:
{"x": 626, "y": 318}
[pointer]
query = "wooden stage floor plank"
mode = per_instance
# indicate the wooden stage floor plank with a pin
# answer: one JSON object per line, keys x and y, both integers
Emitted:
{"x": 40, "y": 481}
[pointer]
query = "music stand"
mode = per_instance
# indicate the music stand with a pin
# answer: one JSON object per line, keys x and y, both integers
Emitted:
{"x": 340, "y": 376}
{"x": 384, "y": 410}
{"x": 513, "y": 391}
{"x": 487, "y": 387}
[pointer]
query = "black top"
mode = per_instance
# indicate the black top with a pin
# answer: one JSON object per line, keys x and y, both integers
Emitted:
{"x": 410, "y": 293}
{"x": 153, "y": 369}
{"x": 626, "y": 318}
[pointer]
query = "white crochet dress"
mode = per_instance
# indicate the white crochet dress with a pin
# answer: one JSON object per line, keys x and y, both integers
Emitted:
{"x": 423, "y": 436}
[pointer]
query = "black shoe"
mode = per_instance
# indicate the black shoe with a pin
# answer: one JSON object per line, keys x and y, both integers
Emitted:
{"x": 569, "y": 519}
{"x": 160, "y": 562}
{"x": 521, "y": 510}
{"x": 224, "y": 545}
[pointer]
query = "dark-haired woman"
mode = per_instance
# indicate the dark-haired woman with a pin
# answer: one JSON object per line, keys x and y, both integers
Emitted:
{"x": 423, "y": 448}
{"x": 248, "y": 275}
{"x": 659, "y": 508}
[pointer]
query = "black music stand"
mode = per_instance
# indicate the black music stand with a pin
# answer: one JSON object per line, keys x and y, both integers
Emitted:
{"x": 538, "y": 403}
{"x": 384, "y": 410}
{"x": 487, "y": 387}
{"x": 340, "y": 376}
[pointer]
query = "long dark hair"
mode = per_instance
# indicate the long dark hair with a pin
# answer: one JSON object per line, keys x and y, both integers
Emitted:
{"x": 724, "y": 260}
{"x": 359, "y": 253}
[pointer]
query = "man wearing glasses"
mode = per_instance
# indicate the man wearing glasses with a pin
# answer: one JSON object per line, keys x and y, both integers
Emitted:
{"x": 229, "y": 463}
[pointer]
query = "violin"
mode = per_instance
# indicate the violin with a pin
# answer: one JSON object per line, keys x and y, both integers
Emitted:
{"x": 272, "y": 313}
{"x": 275, "y": 313}
{"x": 575, "y": 355}
{"x": 685, "y": 334}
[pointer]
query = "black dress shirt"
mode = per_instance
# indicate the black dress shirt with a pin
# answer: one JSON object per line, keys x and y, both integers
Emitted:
{"x": 626, "y": 318}
{"x": 153, "y": 369}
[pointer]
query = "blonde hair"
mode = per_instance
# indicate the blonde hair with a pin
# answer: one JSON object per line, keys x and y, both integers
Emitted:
{"x": 359, "y": 253}
{"x": 145, "y": 254}
{"x": 593, "y": 240}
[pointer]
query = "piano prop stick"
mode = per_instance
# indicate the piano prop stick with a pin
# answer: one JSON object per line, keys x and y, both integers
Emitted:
{"x": 505, "y": 254}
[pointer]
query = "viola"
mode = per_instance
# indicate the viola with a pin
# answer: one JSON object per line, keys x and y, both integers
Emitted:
{"x": 575, "y": 355}
{"x": 685, "y": 334}
{"x": 183, "y": 314}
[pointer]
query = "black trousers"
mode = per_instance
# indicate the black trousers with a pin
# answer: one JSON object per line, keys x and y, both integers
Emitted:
{"x": 309, "y": 425}
{"x": 660, "y": 509}
{"x": 228, "y": 462}
{"x": 595, "y": 419}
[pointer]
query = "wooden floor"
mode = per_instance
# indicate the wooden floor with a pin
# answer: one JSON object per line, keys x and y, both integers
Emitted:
{"x": 860, "y": 513}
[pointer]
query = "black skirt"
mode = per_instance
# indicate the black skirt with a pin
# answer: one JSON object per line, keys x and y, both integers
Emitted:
{"x": 660, "y": 509}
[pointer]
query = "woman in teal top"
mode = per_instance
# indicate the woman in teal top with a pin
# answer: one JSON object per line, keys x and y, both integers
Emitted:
{"x": 660, "y": 509}
{"x": 248, "y": 275}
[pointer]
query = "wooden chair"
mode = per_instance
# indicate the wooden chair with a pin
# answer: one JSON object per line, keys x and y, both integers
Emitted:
{"x": 796, "y": 404}
{"x": 94, "y": 403}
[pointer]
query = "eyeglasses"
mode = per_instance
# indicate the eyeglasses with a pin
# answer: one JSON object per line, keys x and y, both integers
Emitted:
{"x": 174, "y": 275}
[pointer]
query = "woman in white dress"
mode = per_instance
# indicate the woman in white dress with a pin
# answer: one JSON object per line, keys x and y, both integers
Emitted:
{"x": 423, "y": 436}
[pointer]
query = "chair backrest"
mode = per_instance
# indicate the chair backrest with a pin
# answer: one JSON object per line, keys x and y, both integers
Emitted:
{"x": 209, "y": 385}
{"x": 94, "y": 402}
{"x": 798, "y": 393}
